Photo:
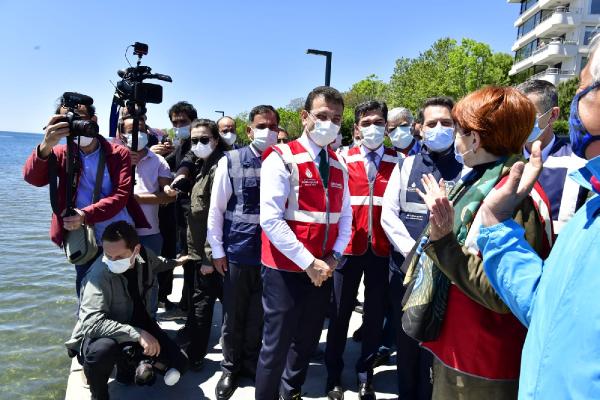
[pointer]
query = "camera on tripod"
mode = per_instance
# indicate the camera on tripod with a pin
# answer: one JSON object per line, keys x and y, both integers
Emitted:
{"x": 78, "y": 126}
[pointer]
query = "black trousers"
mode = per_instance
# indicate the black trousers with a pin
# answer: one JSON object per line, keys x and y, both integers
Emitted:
{"x": 168, "y": 229}
{"x": 243, "y": 312}
{"x": 205, "y": 290}
{"x": 294, "y": 312}
{"x": 413, "y": 363}
{"x": 346, "y": 282}
{"x": 99, "y": 356}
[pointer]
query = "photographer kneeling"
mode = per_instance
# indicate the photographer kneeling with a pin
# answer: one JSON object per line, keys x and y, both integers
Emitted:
{"x": 115, "y": 326}
{"x": 113, "y": 202}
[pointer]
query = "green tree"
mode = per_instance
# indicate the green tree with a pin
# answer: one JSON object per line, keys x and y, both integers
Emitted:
{"x": 370, "y": 88}
{"x": 566, "y": 92}
{"x": 290, "y": 121}
{"x": 241, "y": 122}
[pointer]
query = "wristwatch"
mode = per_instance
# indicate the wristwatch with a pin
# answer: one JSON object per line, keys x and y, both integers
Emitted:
{"x": 337, "y": 256}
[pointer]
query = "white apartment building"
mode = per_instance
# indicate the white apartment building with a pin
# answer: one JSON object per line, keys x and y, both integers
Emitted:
{"x": 553, "y": 38}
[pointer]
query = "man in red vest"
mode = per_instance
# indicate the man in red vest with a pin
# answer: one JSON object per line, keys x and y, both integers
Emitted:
{"x": 306, "y": 218}
{"x": 369, "y": 168}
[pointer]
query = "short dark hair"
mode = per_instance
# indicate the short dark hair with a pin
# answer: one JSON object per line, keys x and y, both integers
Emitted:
{"x": 185, "y": 108}
{"x": 330, "y": 94}
{"x": 262, "y": 109}
{"x": 442, "y": 101}
{"x": 371, "y": 105}
{"x": 544, "y": 89}
{"x": 121, "y": 230}
{"x": 214, "y": 131}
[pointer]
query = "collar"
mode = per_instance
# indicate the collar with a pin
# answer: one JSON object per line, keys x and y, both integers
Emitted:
{"x": 364, "y": 151}
{"x": 254, "y": 151}
{"x": 545, "y": 151}
{"x": 588, "y": 176}
{"x": 310, "y": 146}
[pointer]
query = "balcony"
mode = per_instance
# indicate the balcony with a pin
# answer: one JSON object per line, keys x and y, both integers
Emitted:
{"x": 550, "y": 53}
{"x": 554, "y": 75}
{"x": 559, "y": 22}
{"x": 540, "y": 5}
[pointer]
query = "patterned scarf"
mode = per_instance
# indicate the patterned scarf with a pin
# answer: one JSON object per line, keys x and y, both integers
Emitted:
{"x": 425, "y": 305}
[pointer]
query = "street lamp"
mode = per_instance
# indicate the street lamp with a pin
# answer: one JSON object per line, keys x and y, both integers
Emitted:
{"x": 221, "y": 112}
{"x": 327, "y": 63}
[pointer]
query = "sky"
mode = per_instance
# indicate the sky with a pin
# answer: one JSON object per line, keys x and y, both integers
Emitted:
{"x": 222, "y": 55}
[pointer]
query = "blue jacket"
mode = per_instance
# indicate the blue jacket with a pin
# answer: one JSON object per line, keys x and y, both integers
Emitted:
{"x": 557, "y": 299}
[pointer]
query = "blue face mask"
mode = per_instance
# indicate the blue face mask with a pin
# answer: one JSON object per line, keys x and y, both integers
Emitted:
{"x": 460, "y": 156}
{"x": 439, "y": 138}
{"x": 580, "y": 137}
{"x": 537, "y": 131}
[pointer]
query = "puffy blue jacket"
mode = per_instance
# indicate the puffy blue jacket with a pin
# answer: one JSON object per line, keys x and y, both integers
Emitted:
{"x": 557, "y": 299}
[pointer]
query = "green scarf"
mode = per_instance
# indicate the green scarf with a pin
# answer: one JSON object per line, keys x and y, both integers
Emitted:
{"x": 425, "y": 305}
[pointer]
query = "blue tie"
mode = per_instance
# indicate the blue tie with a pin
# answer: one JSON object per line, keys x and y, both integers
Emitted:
{"x": 371, "y": 166}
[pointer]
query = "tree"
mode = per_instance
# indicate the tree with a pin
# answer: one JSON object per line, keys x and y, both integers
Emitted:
{"x": 370, "y": 88}
{"x": 447, "y": 69}
{"x": 566, "y": 92}
{"x": 290, "y": 121}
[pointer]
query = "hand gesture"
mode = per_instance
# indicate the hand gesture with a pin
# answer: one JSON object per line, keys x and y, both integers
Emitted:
{"x": 135, "y": 157}
{"x": 53, "y": 133}
{"x": 220, "y": 265}
{"x": 441, "y": 212}
{"x": 162, "y": 149}
{"x": 500, "y": 205}
{"x": 74, "y": 222}
{"x": 149, "y": 344}
{"x": 169, "y": 191}
{"x": 319, "y": 271}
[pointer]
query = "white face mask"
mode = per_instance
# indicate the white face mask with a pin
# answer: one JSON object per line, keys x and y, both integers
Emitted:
{"x": 372, "y": 136}
{"x": 324, "y": 132}
{"x": 142, "y": 140}
{"x": 85, "y": 141}
{"x": 439, "y": 138}
{"x": 264, "y": 138}
{"x": 183, "y": 132}
{"x": 401, "y": 137}
{"x": 337, "y": 143}
{"x": 203, "y": 151}
{"x": 229, "y": 138}
{"x": 118, "y": 266}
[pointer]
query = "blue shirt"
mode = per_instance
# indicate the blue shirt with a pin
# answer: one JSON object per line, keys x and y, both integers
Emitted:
{"x": 557, "y": 299}
{"x": 85, "y": 190}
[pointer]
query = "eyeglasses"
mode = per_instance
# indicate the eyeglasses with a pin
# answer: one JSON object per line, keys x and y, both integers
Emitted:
{"x": 203, "y": 140}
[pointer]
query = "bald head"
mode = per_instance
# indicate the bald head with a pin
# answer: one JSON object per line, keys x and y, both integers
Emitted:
{"x": 225, "y": 125}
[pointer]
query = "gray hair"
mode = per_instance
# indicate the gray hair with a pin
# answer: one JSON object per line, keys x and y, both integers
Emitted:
{"x": 400, "y": 113}
{"x": 594, "y": 60}
{"x": 546, "y": 92}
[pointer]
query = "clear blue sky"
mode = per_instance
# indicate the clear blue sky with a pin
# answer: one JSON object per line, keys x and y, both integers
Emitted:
{"x": 222, "y": 55}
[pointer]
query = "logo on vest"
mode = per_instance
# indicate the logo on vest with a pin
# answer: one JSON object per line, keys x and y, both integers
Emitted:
{"x": 308, "y": 173}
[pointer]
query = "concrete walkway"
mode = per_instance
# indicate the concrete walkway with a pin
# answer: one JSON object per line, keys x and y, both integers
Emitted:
{"x": 201, "y": 385}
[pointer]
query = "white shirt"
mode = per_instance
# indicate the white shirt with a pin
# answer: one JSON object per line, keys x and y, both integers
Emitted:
{"x": 364, "y": 151}
{"x": 220, "y": 194}
{"x": 147, "y": 171}
{"x": 390, "y": 221}
{"x": 274, "y": 191}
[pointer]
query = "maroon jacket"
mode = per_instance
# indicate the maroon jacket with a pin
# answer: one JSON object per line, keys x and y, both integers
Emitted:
{"x": 118, "y": 162}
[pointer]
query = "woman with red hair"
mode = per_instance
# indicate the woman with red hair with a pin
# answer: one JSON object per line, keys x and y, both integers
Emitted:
{"x": 452, "y": 308}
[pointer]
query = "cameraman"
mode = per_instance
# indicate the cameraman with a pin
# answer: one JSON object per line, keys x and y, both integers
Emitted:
{"x": 115, "y": 202}
{"x": 115, "y": 314}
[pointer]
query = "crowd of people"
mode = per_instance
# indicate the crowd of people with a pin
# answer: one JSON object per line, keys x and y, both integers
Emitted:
{"x": 475, "y": 235}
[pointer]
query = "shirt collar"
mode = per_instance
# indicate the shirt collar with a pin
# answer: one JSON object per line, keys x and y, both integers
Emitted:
{"x": 545, "y": 151}
{"x": 310, "y": 146}
{"x": 254, "y": 151}
{"x": 364, "y": 151}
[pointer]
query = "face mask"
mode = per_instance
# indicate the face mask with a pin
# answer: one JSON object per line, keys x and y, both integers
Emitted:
{"x": 183, "y": 132}
{"x": 203, "y": 150}
{"x": 337, "y": 143}
{"x": 439, "y": 138}
{"x": 324, "y": 132}
{"x": 580, "y": 137}
{"x": 229, "y": 138}
{"x": 537, "y": 131}
{"x": 85, "y": 141}
{"x": 264, "y": 138}
{"x": 118, "y": 266}
{"x": 401, "y": 137}
{"x": 372, "y": 136}
{"x": 142, "y": 140}
{"x": 458, "y": 156}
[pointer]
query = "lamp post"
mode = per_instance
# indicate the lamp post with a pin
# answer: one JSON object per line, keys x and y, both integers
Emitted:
{"x": 327, "y": 63}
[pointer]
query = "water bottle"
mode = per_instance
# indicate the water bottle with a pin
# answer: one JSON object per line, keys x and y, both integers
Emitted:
{"x": 172, "y": 377}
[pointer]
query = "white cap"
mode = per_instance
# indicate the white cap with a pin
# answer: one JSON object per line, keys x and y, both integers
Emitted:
{"x": 172, "y": 377}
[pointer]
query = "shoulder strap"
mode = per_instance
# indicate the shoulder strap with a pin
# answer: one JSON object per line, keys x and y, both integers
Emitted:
{"x": 99, "y": 174}
{"x": 52, "y": 177}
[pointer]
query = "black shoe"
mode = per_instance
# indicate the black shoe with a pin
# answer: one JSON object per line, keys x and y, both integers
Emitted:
{"x": 196, "y": 365}
{"x": 366, "y": 391}
{"x": 334, "y": 389}
{"x": 359, "y": 308}
{"x": 357, "y": 335}
{"x": 381, "y": 359}
{"x": 226, "y": 386}
{"x": 294, "y": 396}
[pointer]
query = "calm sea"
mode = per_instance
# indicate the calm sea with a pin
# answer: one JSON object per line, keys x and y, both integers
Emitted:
{"x": 37, "y": 286}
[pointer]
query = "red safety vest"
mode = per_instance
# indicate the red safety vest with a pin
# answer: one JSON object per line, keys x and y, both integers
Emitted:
{"x": 477, "y": 340}
{"x": 312, "y": 212}
{"x": 366, "y": 202}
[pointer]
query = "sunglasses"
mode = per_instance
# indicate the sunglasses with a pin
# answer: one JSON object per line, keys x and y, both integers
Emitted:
{"x": 203, "y": 140}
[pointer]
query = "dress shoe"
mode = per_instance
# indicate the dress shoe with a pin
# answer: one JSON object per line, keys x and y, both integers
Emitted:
{"x": 381, "y": 358}
{"x": 335, "y": 393}
{"x": 226, "y": 386}
{"x": 196, "y": 365}
{"x": 366, "y": 391}
{"x": 293, "y": 396}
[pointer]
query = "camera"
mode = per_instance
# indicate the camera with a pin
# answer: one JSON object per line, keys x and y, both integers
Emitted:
{"x": 77, "y": 125}
{"x": 145, "y": 371}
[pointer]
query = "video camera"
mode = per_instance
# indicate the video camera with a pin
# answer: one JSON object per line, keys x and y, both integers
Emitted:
{"x": 77, "y": 125}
